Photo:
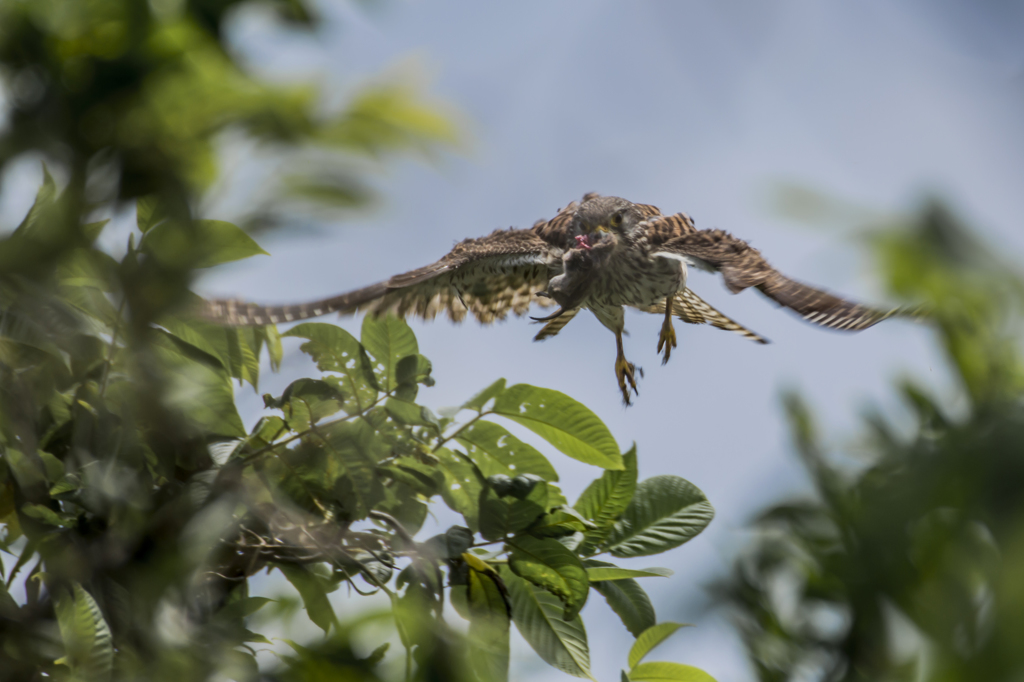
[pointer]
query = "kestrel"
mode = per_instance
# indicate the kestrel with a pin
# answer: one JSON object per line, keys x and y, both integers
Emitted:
{"x": 599, "y": 254}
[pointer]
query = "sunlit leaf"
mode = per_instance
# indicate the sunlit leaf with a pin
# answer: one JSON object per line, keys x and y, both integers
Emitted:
{"x": 650, "y": 638}
{"x": 665, "y": 512}
{"x": 668, "y": 672}
{"x": 565, "y": 423}
{"x": 496, "y": 451}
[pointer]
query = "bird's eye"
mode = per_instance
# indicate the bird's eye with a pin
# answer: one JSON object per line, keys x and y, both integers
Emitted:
{"x": 616, "y": 219}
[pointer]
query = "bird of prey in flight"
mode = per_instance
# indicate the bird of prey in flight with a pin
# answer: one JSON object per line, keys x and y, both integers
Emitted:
{"x": 599, "y": 254}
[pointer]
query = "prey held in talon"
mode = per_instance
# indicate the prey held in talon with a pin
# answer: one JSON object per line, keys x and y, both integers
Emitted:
{"x": 599, "y": 254}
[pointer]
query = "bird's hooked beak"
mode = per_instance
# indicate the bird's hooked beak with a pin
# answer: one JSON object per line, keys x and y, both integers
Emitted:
{"x": 584, "y": 240}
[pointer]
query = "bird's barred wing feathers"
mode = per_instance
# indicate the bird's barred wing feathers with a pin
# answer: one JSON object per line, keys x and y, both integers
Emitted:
{"x": 743, "y": 266}
{"x": 691, "y": 308}
{"x": 487, "y": 277}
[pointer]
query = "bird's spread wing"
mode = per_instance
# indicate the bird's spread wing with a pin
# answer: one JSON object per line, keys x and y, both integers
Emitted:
{"x": 487, "y": 277}
{"x": 743, "y": 266}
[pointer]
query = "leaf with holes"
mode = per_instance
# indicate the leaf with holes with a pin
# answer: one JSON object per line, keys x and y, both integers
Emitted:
{"x": 335, "y": 350}
{"x": 388, "y": 339}
{"x": 567, "y": 424}
{"x": 496, "y": 451}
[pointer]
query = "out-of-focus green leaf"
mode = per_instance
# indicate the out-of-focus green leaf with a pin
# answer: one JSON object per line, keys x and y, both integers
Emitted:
{"x": 487, "y": 603}
{"x": 605, "y": 499}
{"x": 149, "y": 211}
{"x": 314, "y": 596}
{"x": 480, "y": 400}
{"x": 538, "y": 616}
{"x": 626, "y": 598}
{"x": 665, "y": 512}
{"x": 202, "y": 244}
{"x": 668, "y": 672}
{"x": 568, "y": 425}
{"x": 199, "y": 388}
{"x": 548, "y": 564}
{"x": 46, "y": 196}
{"x": 650, "y": 638}
{"x": 87, "y": 640}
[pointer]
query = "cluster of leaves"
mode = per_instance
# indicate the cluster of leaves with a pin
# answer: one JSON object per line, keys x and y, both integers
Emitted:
{"x": 909, "y": 569}
{"x": 137, "y": 506}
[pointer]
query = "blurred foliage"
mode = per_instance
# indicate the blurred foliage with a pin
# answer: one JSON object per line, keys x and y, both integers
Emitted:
{"x": 911, "y": 568}
{"x": 135, "y": 506}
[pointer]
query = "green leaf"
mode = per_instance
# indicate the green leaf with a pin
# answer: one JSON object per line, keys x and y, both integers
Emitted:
{"x": 149, "y": 211}
{"x": 666, "y": 511}
{"x": 388, "y": 339}
{"x": 627, "y": 599}
{"x": 307, "y": 401}
{"x": 199, "y": 387}
{"x": 46, "y": 196}
{"x": 409, "y": 372}
{"x": 599, "y": 573}
{"x": 503, "y": 516}
{"x": 545, "y": 562}
{"x": 568, "y": 425}
{"x": 201, "y": 244}
{"x": 314, "y": 596}
{"x": 462, "y": 486}
{"x": 538, "y": 616}
{"x": 87, "y": 640}
{"x": 605, "y": 499}
{"x": 478, "y": 401}
{"x": 496, "y": 451}
{"x": 668, "y": 672}
{"x": 489, "y": 618}
{"x": 355, "y": 446}
{"x": 650, "y": 638}
{"x": 335, "y": 350}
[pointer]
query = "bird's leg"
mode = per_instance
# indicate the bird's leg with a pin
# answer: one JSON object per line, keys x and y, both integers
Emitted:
{"x": 667, "y": 340}
{"x": 624, "y": 370}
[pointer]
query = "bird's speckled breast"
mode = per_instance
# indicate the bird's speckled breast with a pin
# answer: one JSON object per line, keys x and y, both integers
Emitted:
{"x": 632, "y": 277}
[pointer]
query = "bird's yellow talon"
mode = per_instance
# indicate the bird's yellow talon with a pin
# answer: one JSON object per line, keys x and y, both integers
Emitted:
{"x": 626, "y": 371}
{"x": 667, "y": 340}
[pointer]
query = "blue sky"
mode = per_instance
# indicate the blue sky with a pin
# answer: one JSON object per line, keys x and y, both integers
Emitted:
{"x": 701, "y": 107}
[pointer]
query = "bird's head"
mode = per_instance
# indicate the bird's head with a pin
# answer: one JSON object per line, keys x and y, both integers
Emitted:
{"x": 602, "y": 221}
